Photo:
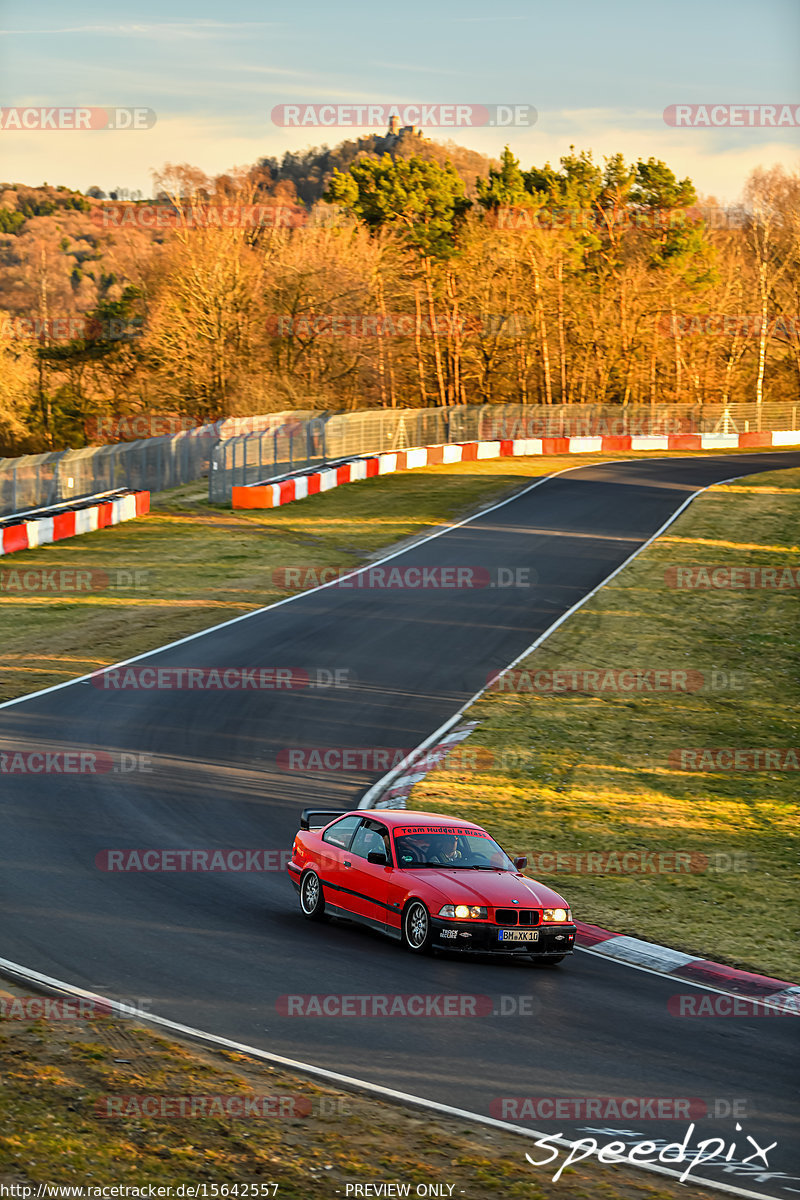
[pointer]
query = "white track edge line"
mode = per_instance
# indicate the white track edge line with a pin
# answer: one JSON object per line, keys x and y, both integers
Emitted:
{"x": 438, "y": 532}
{"x": 35, "y": 977}
{"x": 391, "y": 776}
{"x": 383, "y": 783}
{"x": 48, "y": 983}
{"x": 767, "y": 1001}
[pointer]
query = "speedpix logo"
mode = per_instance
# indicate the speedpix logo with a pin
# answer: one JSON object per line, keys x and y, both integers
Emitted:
{"x": 75, "y": 118}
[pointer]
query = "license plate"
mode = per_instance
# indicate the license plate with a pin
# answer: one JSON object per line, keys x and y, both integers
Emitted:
{"x": 519, "y": 935}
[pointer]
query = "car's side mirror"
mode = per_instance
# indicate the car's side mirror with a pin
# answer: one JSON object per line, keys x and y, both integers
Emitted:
{"x": 521, "y": 862}
{"x": 378, "y": 858}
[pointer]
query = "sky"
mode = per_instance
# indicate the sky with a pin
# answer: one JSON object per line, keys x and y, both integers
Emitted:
{"x": 599, "y": 73}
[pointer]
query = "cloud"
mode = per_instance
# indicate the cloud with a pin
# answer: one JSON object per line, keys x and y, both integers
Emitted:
{"x": 164, "y": 29}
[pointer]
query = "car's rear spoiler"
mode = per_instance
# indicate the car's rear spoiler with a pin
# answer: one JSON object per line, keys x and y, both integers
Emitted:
{"x": 316, "y": 818}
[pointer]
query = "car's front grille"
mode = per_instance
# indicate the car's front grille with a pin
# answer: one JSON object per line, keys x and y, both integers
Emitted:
{"x": 516, "y": 916}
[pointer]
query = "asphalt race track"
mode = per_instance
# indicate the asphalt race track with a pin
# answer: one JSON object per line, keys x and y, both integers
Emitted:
{"x": 215, "y": 951}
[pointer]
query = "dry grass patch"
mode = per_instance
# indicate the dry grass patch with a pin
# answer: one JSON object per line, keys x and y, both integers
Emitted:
{"x": 54, "y": 1074}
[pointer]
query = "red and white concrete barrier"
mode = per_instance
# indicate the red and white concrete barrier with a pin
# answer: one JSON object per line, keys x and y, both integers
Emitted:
{"x": 38, "y": 531}
{"x": 782, "y": 995}
{"x": 272, "y": 495}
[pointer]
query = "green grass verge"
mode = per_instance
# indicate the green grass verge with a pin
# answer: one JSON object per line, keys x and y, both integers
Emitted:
{"x": 55, "y": 1073}
{"x": 193, "y": 565}
{"x": 581, "y": 772}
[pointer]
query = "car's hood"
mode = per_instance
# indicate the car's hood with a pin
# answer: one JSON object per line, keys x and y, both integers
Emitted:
{"x": 497, "y": 888}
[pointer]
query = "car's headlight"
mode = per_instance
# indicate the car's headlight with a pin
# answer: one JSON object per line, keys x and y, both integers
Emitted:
{"x": 556, "y": 914}
{"x": 463, "y": 912}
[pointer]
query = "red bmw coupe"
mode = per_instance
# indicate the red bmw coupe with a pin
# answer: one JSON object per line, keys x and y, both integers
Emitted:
{"x": 428, "y": 880}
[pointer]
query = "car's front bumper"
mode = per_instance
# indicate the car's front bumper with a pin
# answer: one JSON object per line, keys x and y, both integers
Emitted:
{"x": 483, "y": 936}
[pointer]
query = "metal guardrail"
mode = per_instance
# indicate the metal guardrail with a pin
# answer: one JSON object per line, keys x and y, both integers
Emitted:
{"x": 51, "y": 510}
{"x": 151, "y": 464}
{"x": 244, "y": 450}
{"x": 260, "y": 456}
{"x": 148, "y": 464}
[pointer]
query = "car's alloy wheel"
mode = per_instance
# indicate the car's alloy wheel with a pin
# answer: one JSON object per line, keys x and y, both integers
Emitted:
{"x": 312, "y": 901}
{"x": 417, "y": 933}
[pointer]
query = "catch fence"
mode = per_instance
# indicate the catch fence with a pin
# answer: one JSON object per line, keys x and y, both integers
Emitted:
{"x": 245, "y": 450}
{"x": 150, "y": 464}
{"x": 261, "y": 455}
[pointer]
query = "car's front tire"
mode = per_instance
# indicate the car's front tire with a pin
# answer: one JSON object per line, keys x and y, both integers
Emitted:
{"x": 417, "y": 929}
{"x": 312, "y": 901}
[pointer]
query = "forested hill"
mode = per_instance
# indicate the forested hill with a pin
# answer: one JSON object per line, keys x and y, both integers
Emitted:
{"x": 309, "y": 171}
{"x": 392, "y": 272}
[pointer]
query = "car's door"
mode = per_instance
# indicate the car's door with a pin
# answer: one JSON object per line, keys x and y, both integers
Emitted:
{"x": 335, "y": 842}
{"x": 368, "y": 882}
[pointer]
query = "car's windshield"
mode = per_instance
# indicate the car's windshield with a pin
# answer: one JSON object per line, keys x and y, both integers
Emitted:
{"x": 458, "y": 850}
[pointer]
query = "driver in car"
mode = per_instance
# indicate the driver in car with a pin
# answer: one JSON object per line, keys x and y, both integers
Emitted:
{"x": 441, "y": 849}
